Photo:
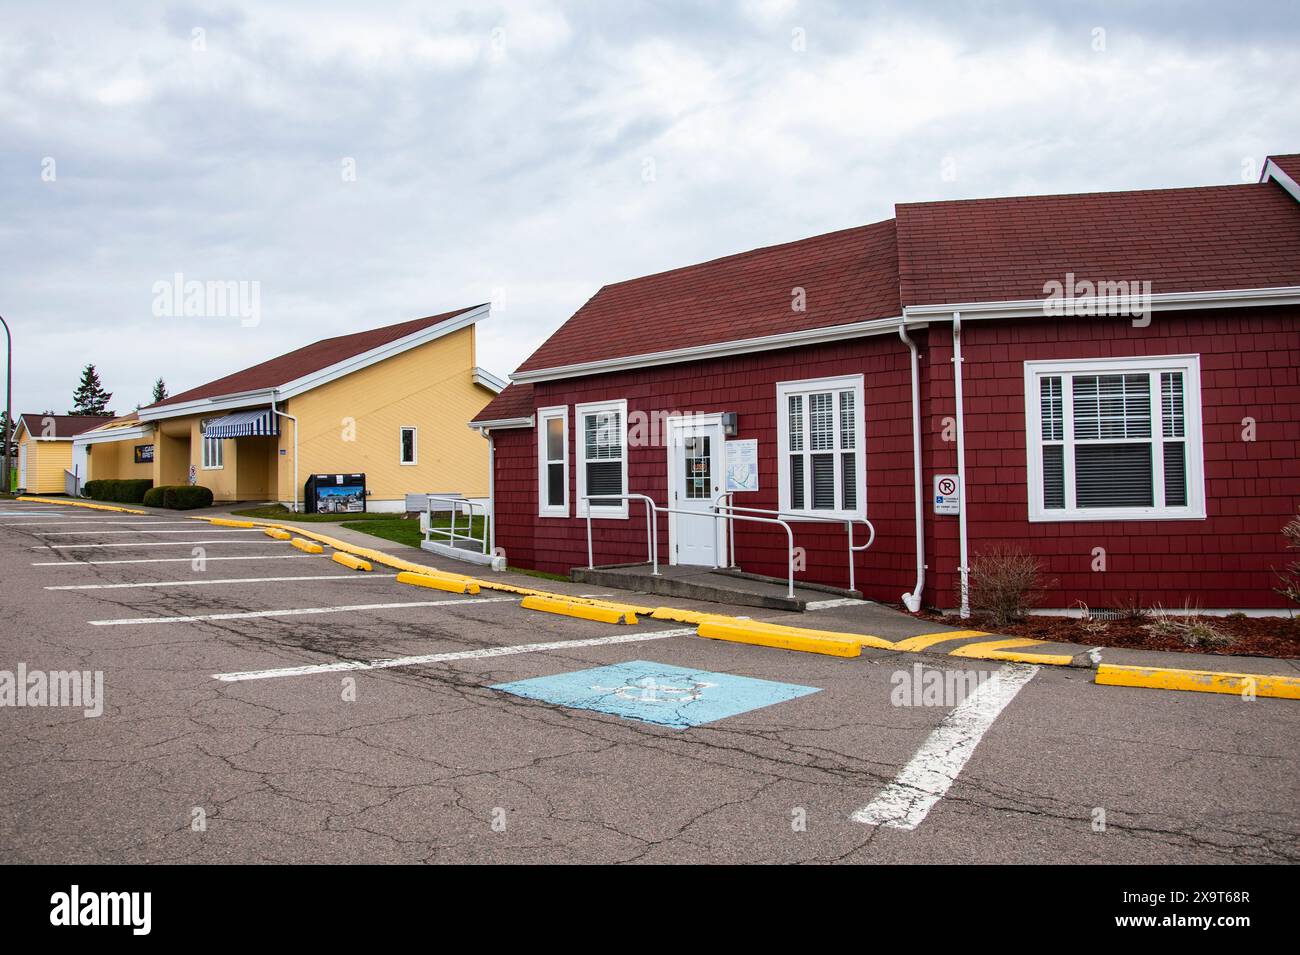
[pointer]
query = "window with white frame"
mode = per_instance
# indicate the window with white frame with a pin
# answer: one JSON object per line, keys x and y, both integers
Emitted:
{"x": 408, "y": 444}
{"x": 821, "y": 447}
{"x": 1114, "y": 439}
{"x": 553, "y": 461}
{"x": 213, "y": 457}
{"x": 602, "y": 457}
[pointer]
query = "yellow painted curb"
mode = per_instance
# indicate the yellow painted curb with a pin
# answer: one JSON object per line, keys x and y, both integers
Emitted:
{"x": 355, "y": 563}
{"x": 276, "y": 533}
{"x": 930, "y": 639}
{"x": 93, "y": 507}
{"x": 451, "y": 585}
{"x": 306, "y": 546}
{"x": 1002, "y": 650}
{"x": 569, "y": 608}
{"x": 742, "y": 631}
{"x": 861, "y": 639}
{"x": 1199, "y": 681}
{"x": 222, "y": 522}
{"x": 689, "y": 616}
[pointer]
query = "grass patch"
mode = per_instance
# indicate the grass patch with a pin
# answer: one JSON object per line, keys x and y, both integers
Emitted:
{"x": 405, "y": 530}
{"x": 540, "y": 573}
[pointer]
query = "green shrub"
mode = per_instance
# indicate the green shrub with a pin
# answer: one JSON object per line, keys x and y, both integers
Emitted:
{"x": 186, "y": 497}
{"x": 154, "y": 496}
{"x": 129, "y": 491}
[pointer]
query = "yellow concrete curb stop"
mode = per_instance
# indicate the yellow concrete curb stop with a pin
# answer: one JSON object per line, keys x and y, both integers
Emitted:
{"x": 1199, "y": 681}
{"x": 276, "y": 533}
{"x": 355, "y": 563}
{"x": 222, "y": 522}
{"x": 306, "y": 546}
{"x": 586, "y": 611}
{"x": 452, "y": 585}
{"x": 744, "y": 631}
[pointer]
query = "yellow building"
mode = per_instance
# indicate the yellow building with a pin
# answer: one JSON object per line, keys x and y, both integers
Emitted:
{"x": 390, "y": 403}
{"x": 46, "y": 462}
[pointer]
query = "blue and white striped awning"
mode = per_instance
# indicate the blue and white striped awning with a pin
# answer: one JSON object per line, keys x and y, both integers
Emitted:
{"x": 243, "y": 424}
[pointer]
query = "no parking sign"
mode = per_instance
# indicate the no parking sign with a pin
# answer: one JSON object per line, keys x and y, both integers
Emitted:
{"x": 947, "y": 500}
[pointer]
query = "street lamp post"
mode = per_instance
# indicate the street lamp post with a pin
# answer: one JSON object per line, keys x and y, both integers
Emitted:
{"x": 9, "y": 398}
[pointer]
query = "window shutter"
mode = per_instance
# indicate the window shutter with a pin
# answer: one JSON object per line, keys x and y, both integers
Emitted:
{"x": 1113, "y": 475}
{"x": 1053, "y": 475}
{"x": 823, "y": 477}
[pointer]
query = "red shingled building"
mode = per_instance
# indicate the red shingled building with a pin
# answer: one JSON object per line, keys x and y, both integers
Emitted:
{"x": 1129, "y": 401}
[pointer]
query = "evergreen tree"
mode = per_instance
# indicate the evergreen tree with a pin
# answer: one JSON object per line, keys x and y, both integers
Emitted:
{"x": 159, "y": 390}
{"x": 90, "y": 398}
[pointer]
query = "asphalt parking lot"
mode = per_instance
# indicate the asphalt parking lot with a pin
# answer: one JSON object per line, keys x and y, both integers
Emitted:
{"x": 261, "y": 704}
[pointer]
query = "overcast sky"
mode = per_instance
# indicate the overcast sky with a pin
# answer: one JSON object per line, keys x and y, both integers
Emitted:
{"x": 372, "y": 163}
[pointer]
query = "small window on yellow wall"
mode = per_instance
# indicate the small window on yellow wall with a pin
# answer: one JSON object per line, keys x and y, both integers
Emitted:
{"x": 212, "y": 454}
{"x": 409, "y": 448}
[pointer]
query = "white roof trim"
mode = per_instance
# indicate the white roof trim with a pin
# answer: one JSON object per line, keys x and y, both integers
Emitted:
{"x": 502, "y": 423}
{"x": 1165, "y": 301}
{"x": 807, "y": 336}
{"x": 114, "y": 434}
{"x": 323, "y": 376}
{"x": 1273, "y": 171}
{"x": 488, "y": 380}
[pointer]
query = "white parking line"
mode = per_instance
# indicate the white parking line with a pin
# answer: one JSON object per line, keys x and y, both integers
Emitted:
{"x": 145, "y": 544}
{"x": 233, "y": 530}
{"x": 168, "y": 560}
{"x": 904, "y": 803}
{"x": 502, "y": 651}
{"x": 69, "y": 523}
{"x": 222, "y": 580}
{"x": 295, "y": 612}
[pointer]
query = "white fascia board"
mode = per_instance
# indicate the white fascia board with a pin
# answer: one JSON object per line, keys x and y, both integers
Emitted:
{"x": 809, "y": 336}
{"x": 1274, "y": 172}
{"x": 503, "y": 423}
{"x": 208, "y": 405}
{"x": 1164, "y": 301}
{"x": 117, "y": 434}
{"x": 488, "y": 380}
{"x": 376, "y": 355}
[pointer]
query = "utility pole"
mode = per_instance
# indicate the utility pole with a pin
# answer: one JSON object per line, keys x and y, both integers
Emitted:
{"x": 9, "y": 399}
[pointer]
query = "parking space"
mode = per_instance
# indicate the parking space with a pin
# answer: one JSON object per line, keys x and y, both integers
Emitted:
{"x": 307, "y": 712}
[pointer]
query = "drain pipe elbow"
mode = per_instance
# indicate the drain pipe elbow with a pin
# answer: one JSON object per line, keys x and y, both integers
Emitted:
{"x": 912, "y": 600}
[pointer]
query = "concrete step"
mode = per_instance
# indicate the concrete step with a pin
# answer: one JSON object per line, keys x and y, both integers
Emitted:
{"x": 702, "y": 583}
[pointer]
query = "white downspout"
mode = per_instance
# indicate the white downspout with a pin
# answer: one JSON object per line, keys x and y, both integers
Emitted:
{"x": 492, "y": 492}
{"x": 295, "y": 454}
{"x": 912, "y": 601}
{"x": 964, "y": 568}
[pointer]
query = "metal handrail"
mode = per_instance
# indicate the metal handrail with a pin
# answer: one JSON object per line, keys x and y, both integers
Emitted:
{"x": 653, "y": 509}
{"x": 652, "y": 526}
{"x": 848, "y": 522}
{"x": 454, "y": 509}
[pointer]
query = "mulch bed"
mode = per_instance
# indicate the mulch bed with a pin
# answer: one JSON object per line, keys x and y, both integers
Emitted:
{"x": 1251, "y": 636}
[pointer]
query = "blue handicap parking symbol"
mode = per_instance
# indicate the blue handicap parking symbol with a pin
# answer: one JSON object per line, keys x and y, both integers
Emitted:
{"x": 657, "y": 692}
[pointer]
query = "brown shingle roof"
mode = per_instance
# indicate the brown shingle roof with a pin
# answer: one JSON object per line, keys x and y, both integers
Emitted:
{"x": 306, "y": 360}
{"x": 516, "y": 401}
{"x": 65, "y": 425}
{"x": 1288, "y": 163}
{"x": 848, "y": 276}
{"x": 1181, "y": 240}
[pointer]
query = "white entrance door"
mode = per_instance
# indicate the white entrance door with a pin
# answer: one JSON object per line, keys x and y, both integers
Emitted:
{"x": 695, "y": 472}
{"x": 22, "y": 467}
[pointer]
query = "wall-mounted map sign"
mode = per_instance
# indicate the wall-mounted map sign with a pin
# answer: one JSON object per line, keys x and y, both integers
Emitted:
{"x": 742, "y": 465}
